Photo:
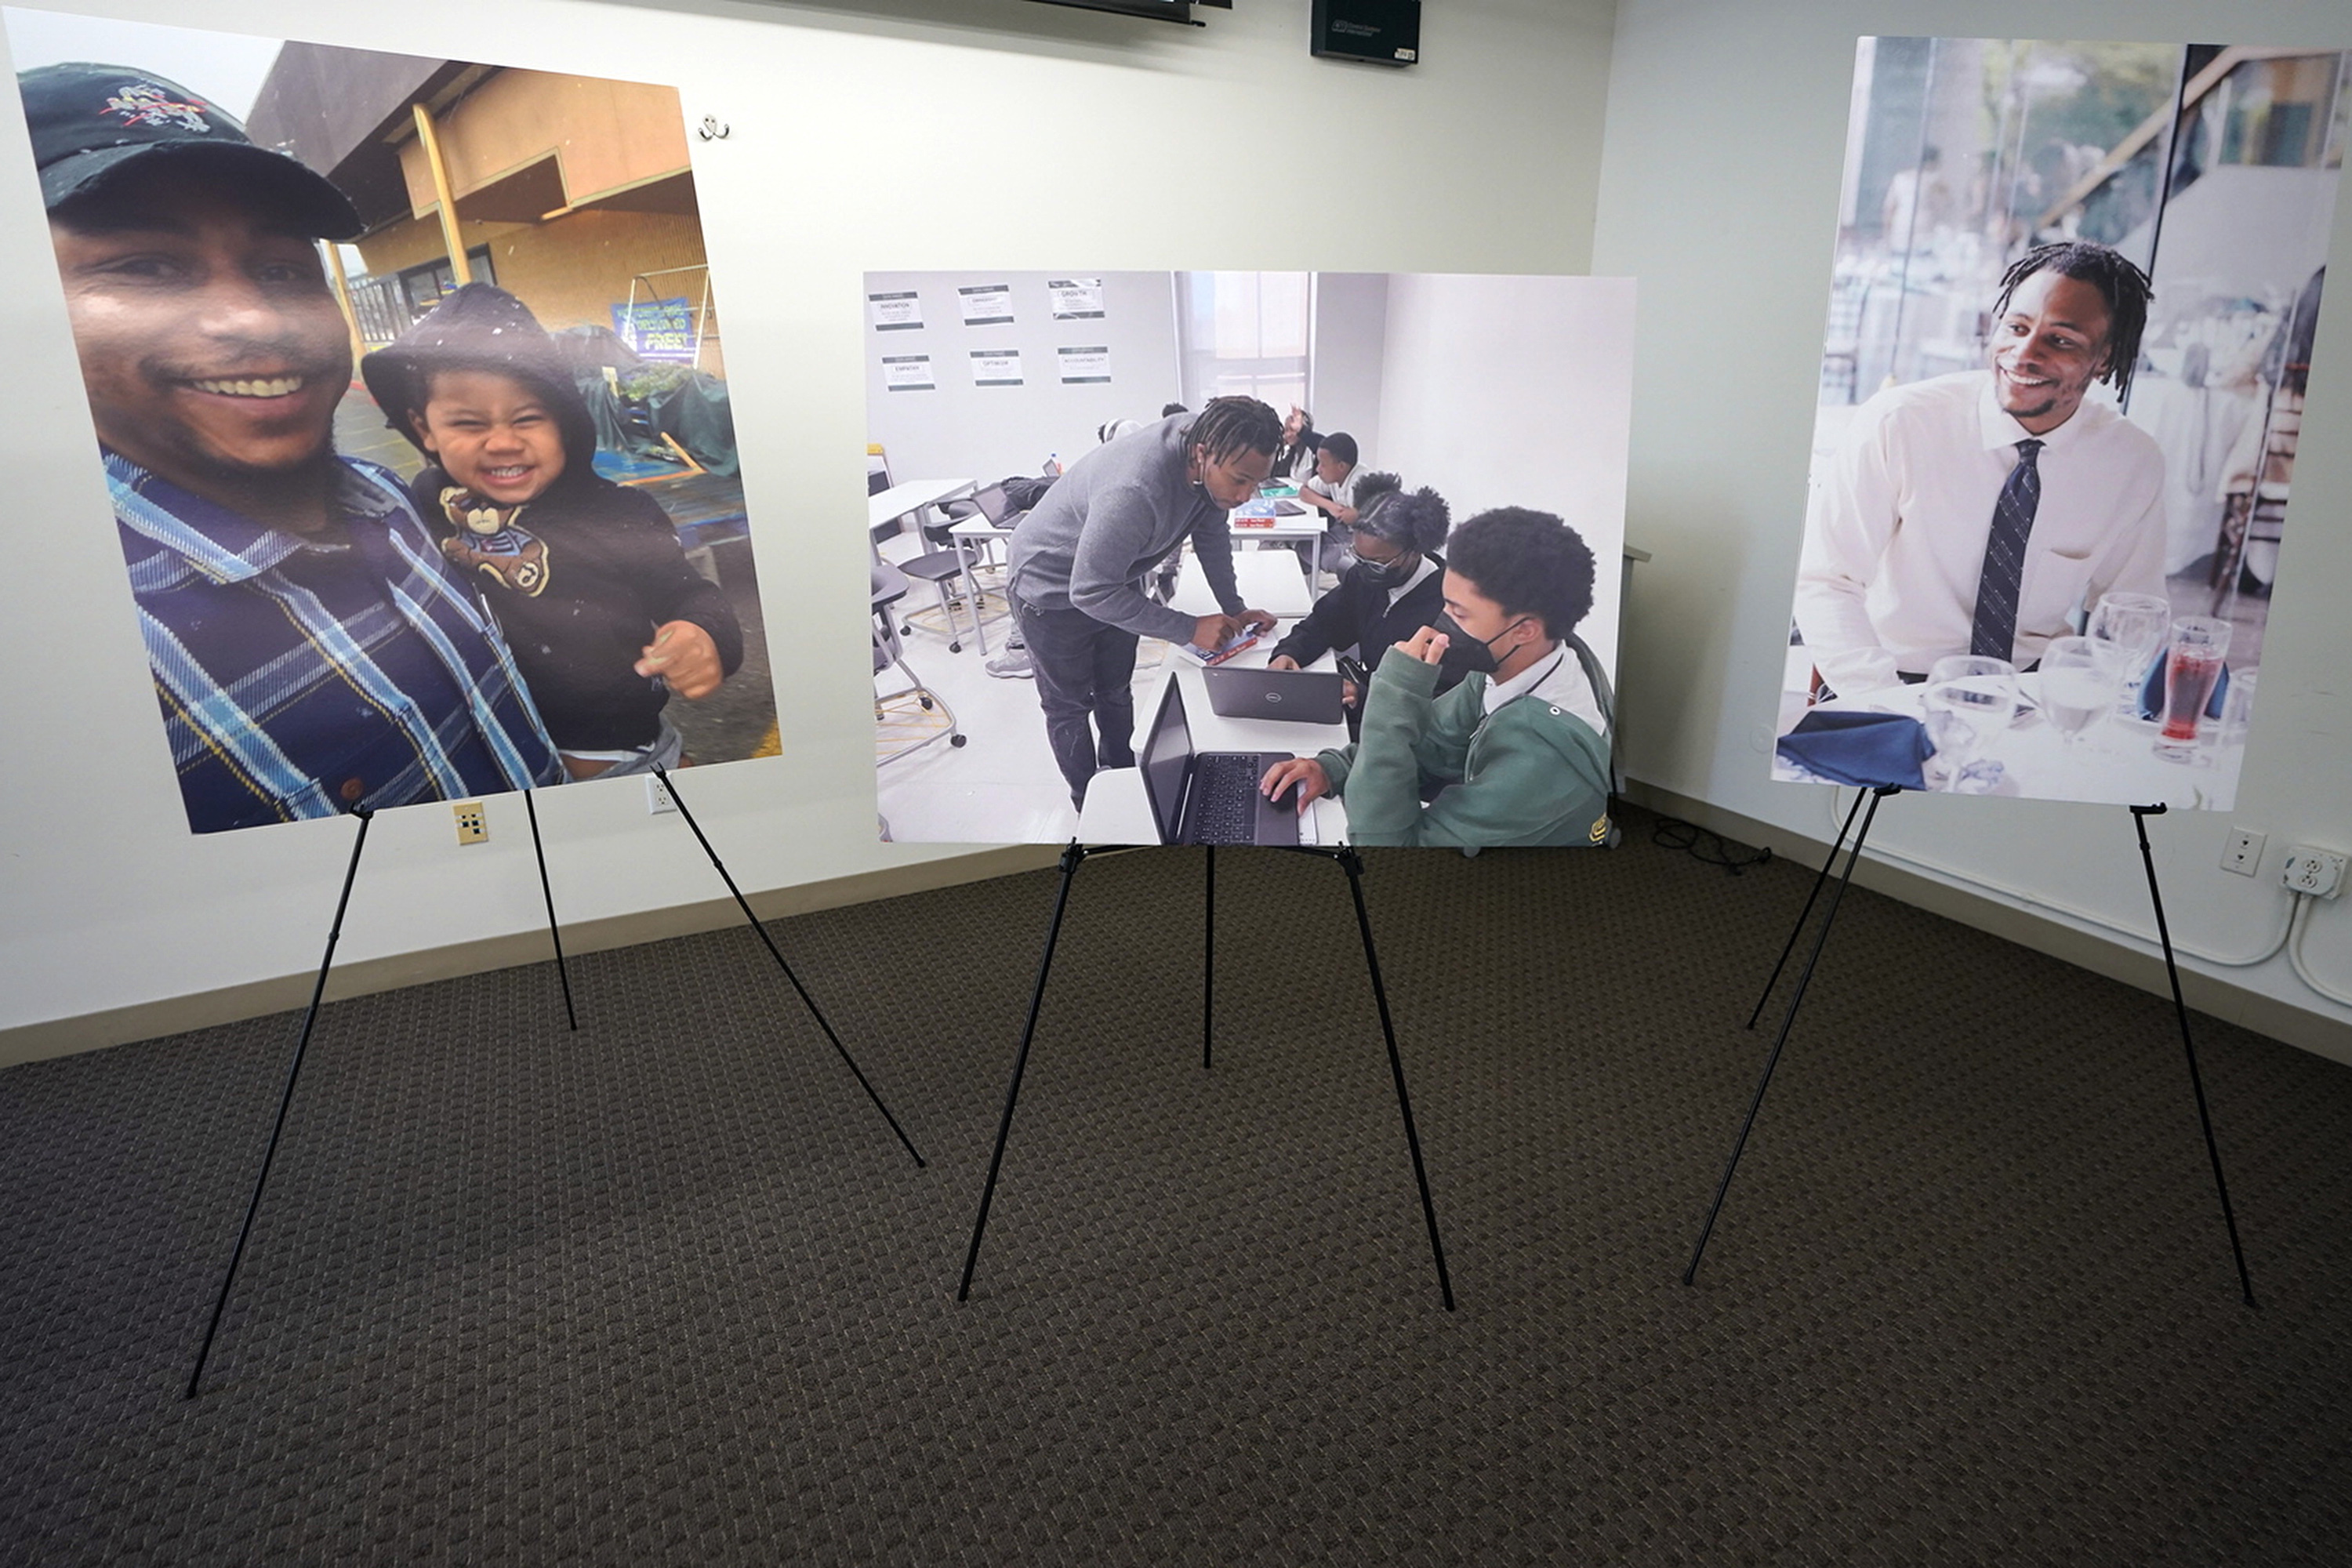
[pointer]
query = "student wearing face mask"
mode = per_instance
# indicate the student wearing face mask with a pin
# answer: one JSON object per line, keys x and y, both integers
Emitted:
{"x": 1514, "y": 755}
{"x": 1395, "y": 588}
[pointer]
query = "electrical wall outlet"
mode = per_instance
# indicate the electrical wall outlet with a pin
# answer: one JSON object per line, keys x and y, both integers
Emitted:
{"x": 473, "y": 826}
{"x": 2316, "y": 872}
{"x": 657, "y": 798}
{"x": 2242, "y": 851}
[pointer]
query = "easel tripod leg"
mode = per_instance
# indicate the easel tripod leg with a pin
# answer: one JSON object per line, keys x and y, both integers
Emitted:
{"x": 1798, "y": 929}
{"x": 1071, "y": 859}
{"x": 548, "y": 893}
{"x": 2140, "y": 813}
{"x": 1788, "y": 1022}
{"x": 773, "y": 951}
{"x": 284, "y": 1100}
{"x": 1354, "y": 865}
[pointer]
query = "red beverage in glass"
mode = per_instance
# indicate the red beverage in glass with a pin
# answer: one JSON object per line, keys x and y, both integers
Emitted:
{"x": 2187, "y": 688}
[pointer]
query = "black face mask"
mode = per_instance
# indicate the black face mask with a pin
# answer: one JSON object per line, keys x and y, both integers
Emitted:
{"x": 1389, "y": 573}
{"x": 1482, "y": 660}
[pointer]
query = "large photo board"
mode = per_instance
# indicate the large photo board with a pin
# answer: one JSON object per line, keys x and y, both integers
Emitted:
{"x": 406, "y": 378}
{"x": 2071, "y": 327}
{"x": 1353, "y": 540}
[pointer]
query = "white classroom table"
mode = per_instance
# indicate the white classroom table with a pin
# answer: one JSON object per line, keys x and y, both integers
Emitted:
{"x": 913, "y": 496}
{"x": 973, "y": 534}
{"x": 1117, "y": 811}
{"x": 1268, "y": 581}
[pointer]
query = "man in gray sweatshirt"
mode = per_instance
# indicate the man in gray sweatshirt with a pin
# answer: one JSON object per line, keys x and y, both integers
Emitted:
{"x": 1079, "y": 562}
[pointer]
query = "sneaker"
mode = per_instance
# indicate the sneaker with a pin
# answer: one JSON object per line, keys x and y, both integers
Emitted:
{"x": 1013, "y": 664}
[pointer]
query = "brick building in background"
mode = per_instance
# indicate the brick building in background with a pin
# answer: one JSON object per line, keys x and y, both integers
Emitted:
{"x": 574, "y": 192}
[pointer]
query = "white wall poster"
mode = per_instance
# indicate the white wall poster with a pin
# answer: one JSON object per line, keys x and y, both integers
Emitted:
{"x": 986, "y": 304}
{"x": 1077, "y": 298}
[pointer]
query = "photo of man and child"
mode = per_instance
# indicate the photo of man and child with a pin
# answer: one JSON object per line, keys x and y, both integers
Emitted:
{"x": 491, "y": 558}
{"x": 2071, "y": 326}
{"x": 1234, "y": 626}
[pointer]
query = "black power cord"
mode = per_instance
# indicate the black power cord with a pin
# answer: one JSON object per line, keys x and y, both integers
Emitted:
{"x": 1709, "y": 847}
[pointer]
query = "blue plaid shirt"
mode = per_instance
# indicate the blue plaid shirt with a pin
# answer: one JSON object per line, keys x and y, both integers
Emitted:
{"x": 300, "y": 678}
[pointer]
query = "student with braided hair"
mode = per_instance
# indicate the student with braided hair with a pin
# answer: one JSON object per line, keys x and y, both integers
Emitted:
{"x": 1395, "y": 588}
{"x": 1974, "y": 512}
{"x": 1080, "y": 558}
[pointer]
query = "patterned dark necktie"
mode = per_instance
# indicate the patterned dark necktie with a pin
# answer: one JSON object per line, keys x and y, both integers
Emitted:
{"x": 1994, "y": 633}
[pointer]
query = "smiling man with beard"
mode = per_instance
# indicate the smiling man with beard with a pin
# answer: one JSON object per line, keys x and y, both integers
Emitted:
{"x": 310, "y": 650}
{"x": 1975, "y": 512}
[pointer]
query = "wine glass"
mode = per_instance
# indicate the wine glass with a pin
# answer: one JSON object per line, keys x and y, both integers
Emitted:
{"x": 2137, "y": 624}
{"x": 2079, "y": 679}
{"x": 1971, "y": 700}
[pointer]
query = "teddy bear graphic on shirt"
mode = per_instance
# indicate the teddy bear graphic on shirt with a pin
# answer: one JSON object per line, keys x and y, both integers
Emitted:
{"x": 487, "y": 541}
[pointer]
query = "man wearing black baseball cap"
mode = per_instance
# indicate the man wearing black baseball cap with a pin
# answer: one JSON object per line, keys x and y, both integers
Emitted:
{"x": 310, "y": 650}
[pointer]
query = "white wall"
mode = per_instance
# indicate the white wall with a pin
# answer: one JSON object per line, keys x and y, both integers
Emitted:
{"x": 963, "y": 431}
{"x": 1719, "y": 188}
{"x": 1541, "y": 423}
{"x": 907, "y": 133}
{"x": 1351, "y": 327}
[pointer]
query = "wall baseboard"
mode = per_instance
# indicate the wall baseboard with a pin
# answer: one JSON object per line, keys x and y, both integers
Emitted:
{"x": 259, "y": 998}
{"x": 2101, "y": 956}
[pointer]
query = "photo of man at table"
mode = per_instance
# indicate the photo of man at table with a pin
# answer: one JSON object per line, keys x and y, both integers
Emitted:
{"x": 2058, "y": 417}
{"x": 1117, "y": 647}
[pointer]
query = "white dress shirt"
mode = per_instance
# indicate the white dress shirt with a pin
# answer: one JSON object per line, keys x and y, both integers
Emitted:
{"x": 1420, "y": 573}
{"x": 1557, "y": 679}
{"x": 1894, "y": 534}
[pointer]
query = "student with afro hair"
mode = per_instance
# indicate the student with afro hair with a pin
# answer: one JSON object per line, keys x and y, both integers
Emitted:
{"x": 1518, "y": 754}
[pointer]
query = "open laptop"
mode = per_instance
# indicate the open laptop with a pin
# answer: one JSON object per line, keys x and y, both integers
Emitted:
{"x": 1294, "y": 696}
{"x": 1209, "y": 797}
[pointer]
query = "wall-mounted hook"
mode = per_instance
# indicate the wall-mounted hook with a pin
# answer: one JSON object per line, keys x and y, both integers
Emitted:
{"x": 710, "y": 129}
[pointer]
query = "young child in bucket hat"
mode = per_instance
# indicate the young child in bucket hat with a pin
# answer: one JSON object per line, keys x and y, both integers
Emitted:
{"x": 586, "y": 577}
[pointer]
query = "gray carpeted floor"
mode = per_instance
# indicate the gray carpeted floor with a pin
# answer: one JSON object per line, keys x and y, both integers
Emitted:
{"x": 668, "y": 1291}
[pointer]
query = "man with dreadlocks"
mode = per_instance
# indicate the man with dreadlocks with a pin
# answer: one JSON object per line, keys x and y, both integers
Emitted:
{"x": 1974, "y": 512}
{"x": 1079, "y": 559}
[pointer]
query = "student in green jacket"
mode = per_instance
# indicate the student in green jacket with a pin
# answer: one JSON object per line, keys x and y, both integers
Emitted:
{"x": 1514, "y": 756}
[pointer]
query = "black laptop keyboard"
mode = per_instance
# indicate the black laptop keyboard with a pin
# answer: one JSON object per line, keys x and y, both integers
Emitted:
{"x": 1224, "y": 794}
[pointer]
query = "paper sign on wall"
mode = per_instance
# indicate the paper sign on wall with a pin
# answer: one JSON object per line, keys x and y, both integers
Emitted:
{"x": 1077, "y": 298}
{"x": 1087, "y": 363}
{"x": 996, "y": 367}
{"x": 907, "y": 373}
{"x": 895, "y": 312}
{"x": 986, "y": 304}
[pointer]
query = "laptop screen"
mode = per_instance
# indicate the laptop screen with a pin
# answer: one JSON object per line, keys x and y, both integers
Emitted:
{"x": 1167, "y": 755}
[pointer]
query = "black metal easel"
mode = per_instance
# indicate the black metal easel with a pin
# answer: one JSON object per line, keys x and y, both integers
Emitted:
{"x": 2140, "y": 813}
{"x": 773, "y": 951}
{"x": 285, "y": 1099}
{"x": 1346, "y": 857}
{"x": 548, "y": 893}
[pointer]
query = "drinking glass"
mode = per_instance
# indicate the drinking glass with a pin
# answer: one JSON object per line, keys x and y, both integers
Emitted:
{"x": 1970, "y": 701}
{"x": 2198, "y": 646}
{"x": 2238, "y": 708}
{"x": 2135, "y": 623}
{"x": 2079, "y": 678}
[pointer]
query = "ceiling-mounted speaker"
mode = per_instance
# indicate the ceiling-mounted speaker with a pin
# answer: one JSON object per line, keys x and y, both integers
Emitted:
{"x": 1371, "y": 32}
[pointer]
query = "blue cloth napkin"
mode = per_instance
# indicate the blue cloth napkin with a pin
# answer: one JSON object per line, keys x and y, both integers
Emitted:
{"x": 1868, "y": 749}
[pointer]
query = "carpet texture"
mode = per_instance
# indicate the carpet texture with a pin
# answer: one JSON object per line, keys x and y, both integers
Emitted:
{"x": 668, "y": 1289}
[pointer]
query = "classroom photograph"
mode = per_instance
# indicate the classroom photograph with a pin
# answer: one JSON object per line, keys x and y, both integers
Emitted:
{"x": 1045, "y": 431}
